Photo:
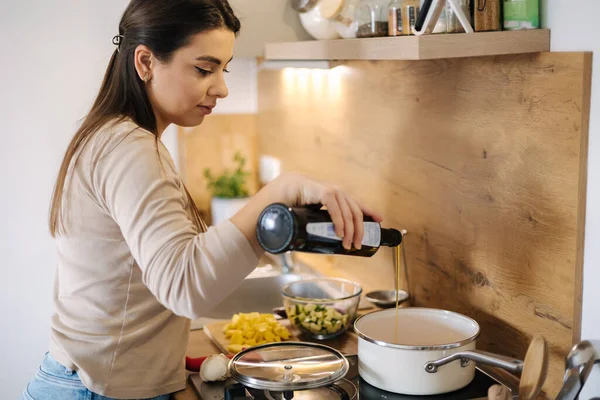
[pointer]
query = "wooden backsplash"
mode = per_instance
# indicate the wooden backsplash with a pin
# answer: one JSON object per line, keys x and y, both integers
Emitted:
{"x": 482, "y": 160}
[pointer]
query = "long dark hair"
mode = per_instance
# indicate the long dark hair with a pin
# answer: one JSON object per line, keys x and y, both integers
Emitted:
{"x": 164, "y": 26}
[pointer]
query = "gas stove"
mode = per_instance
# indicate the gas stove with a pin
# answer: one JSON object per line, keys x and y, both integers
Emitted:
{"x": 351, "y": 387}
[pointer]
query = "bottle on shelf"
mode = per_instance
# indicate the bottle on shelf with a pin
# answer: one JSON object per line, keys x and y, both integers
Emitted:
{"x": 410, "y": 12}
{"x": 395, "y": 18}
{"x": 310, "y": 230}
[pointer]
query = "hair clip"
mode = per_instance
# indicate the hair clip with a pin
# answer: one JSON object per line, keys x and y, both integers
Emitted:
{"x": 116, "y": 40}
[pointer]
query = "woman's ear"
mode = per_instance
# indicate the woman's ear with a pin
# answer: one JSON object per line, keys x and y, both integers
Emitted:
{"x": 144, "y": 62}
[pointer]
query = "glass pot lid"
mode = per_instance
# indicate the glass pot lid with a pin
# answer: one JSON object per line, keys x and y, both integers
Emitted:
{"x": 288, "y": 366}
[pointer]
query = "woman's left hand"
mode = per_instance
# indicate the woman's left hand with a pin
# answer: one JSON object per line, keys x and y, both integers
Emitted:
{"x": 294, "y": 189}
{"x": 346, "y": 213}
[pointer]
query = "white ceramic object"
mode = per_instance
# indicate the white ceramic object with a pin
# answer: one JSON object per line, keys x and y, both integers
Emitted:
{"x": 424, "y": 335}
{"x": 347, "y": 29}
{"x": 222, "y": 209}
{"x": 347, "y": 24}
{"x": 318, "y": 25}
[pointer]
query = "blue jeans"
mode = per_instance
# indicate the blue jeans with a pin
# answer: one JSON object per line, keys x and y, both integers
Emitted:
{"x": 53, "y": 381}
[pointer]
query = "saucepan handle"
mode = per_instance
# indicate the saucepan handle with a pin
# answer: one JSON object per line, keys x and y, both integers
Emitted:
{"x": 510, "y": 364}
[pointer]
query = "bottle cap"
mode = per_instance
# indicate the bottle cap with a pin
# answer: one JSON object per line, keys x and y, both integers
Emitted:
{"x": 390, "y": 237}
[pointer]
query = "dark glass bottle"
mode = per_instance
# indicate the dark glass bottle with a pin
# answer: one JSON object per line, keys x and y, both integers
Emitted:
{"x": 310, "y": 230}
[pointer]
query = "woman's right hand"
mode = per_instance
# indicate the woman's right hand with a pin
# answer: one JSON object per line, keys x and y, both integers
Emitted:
{"x": 297, "y": 190}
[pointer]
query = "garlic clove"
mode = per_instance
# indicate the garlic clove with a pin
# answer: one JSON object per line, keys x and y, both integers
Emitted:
{"x": 215, "y": 368}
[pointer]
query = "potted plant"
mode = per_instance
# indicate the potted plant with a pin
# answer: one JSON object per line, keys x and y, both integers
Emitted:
{"x": 229, "y": 191}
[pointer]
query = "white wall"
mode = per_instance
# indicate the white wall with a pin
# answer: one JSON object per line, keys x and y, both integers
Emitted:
{"x": 53, "y": 57}
{"x": 574, "y": 27}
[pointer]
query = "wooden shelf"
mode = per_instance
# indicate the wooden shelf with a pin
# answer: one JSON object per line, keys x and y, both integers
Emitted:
{"x": 424, "y": 47}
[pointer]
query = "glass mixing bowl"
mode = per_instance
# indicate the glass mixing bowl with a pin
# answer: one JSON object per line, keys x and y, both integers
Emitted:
{"x": 321, "y": 308}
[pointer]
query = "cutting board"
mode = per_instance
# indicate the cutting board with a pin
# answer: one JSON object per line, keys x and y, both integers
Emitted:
{"x": 346, "y": 343}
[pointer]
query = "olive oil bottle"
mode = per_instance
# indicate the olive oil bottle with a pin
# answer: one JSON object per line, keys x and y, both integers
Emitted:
{"x": 310, "y": 230}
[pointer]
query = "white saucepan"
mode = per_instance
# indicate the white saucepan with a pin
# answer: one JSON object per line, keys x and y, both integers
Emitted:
{"x": 431, "y": 353}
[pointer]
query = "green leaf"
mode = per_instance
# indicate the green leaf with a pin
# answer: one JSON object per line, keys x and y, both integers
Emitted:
{"x": 229, "y": 184}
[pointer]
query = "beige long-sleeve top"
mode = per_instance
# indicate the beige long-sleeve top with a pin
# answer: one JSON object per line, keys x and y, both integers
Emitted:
{"x": 133, "y": 269}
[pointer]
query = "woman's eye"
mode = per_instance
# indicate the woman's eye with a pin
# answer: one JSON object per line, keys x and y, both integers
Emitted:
{"x": 203, "y": 71}
{"x": 226, "y": 71}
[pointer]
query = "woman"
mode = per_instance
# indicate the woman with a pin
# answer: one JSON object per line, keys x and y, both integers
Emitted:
{"x": 135, "y": 260}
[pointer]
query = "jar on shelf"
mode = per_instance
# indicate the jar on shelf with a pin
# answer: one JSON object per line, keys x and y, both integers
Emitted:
{"x": 372, "y": 17}
{"x": 395, "y": 18}
{"x": 487, "y": 15}
{"x": 521, "y": 14}
{"x": 346, "y": 23}
{"x": 410, "y": 12}
{"x": 398, "y": 10}
{"x": 441, "y": 25}
{"x": 453, "y": 25}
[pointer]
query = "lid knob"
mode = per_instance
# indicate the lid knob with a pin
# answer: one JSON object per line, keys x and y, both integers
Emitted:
{"x": 288, "y": 376}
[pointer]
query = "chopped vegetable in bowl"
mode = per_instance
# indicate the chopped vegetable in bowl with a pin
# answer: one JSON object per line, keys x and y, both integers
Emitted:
{"x": 321, "y": 307}
{"x": 318, "y": 319}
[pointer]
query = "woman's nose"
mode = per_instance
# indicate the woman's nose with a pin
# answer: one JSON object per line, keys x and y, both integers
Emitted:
{"x": 219, "y": 89}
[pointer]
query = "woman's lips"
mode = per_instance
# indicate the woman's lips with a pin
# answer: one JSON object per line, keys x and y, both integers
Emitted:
{"x": 206, "y": 109}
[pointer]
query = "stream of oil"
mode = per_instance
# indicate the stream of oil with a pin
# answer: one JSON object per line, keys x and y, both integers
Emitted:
{"x": 397, "y": 262}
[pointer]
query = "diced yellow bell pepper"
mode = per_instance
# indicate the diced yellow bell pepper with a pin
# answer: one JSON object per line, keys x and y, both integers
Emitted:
{"x": 235, "y": 348}
{"x": 250, "y": 329}
{"x": 237, "y": 338}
